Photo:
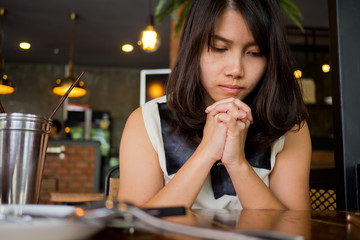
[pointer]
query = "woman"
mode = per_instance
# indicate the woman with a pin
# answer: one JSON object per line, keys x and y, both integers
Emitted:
{"x": 232, "y": 131}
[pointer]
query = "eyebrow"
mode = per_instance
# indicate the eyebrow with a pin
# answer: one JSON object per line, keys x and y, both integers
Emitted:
{"x": 217, "y": 37}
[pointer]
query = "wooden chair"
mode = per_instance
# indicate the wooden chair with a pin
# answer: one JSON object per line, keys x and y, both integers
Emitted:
{"x": 112, "y": 183}
{"x": 323, "y": 174}
{"x": 323, "y": 189}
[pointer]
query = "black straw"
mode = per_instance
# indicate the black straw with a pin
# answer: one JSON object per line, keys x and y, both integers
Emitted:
{"x": 65, "y": 96}
{"x": 2, "y": 109}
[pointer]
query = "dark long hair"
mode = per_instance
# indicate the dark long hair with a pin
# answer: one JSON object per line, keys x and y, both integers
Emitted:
{"x": 276, "y": 103}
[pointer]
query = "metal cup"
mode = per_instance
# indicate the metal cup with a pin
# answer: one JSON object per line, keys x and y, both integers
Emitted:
{"x": 23, "y": 144}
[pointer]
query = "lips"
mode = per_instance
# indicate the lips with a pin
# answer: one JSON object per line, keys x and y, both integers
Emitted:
{"x": 231, "y": 88}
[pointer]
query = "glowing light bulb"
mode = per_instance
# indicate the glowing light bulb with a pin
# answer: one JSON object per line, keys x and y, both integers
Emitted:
{"x": 325, "y": 68}
{"x": 297, "y": 74}
{"x": 156, "y": 90}
{"x": 25, "y": 45}
{"x": 127, "y": 48}
{"x": 67, "y": 129}
{"x": 149, "y": 40}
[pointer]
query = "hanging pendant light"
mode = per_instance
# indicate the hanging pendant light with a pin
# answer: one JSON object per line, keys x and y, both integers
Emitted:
{"x": 6, "y": 86}
{"x": 62, "y": 85}
{"x": 149, "y": 38}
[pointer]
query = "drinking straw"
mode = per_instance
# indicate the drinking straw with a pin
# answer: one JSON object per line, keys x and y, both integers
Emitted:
{"x": 2, "y": 109}
{"x": 65, "y": 96}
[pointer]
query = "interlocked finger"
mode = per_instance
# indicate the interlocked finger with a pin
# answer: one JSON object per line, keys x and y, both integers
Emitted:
{"x": 234, "y": 107}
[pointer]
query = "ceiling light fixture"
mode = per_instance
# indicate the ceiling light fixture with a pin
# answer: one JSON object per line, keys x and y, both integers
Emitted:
{"x": 149, "y": 38}
{"x": 62, "y": 85}
{"x": 127, "y": 48}
{"x": 25, "y": 45}
{"x": 6, "y": 86}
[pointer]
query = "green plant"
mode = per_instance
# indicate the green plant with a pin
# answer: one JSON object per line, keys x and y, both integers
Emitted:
{"x": 178, "y": 10}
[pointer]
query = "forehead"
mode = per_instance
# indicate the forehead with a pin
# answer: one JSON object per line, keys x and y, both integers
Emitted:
{"x": 231, "y": 24}
{"x": 231, "y": 19}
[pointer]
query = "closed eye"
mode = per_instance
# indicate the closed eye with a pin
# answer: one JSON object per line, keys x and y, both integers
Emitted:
{"x": 256, "y": 54}
{"x": 215, "y": 49}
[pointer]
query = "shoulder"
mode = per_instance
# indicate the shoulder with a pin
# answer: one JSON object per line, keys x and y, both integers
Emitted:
{"x": 299, "y": 134}
{"x": 145, "y": 110}
{"x": 297, "y": 143}
{"x": 136, "y": 132}
{"x": 134, "y": 121}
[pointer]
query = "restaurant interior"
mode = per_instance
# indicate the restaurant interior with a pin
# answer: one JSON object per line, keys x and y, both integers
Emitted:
{"x": 68, "y": 37}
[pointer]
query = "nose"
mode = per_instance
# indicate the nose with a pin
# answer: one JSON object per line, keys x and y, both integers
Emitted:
{"x": 235, "y": 68}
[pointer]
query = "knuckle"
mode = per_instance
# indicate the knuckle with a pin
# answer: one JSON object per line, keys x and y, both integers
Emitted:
{"x": 237, "y": 101}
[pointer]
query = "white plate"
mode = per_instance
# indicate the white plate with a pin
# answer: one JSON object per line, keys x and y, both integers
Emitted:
{"x": 54, "y": 225}
{"x": 38, "y": 210}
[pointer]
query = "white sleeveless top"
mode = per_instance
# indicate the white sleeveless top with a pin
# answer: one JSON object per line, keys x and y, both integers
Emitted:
{"x": 205, "y": 198}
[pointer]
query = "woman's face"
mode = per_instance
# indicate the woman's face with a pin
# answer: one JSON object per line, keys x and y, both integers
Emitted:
{"x": 234, "y": 64}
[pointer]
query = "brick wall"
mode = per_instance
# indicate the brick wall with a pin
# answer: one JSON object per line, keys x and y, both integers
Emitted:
{"x": 73, "y": 171}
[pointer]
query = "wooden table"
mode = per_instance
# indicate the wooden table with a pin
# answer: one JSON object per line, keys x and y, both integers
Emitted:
{"x": 71, "y": 198}
{"x": 308, "y": 225}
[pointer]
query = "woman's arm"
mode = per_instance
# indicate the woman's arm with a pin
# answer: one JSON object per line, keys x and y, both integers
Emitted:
{"x": 141, "y": 178}
{"x": 289, "y": 180}
{"x": 140, "y": 173}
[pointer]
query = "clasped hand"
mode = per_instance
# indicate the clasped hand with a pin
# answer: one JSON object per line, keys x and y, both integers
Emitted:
{"x": 225, "y": 131}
